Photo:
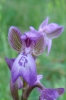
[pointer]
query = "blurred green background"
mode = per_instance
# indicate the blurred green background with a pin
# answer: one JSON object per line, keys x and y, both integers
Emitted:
{"x": 25, "y": 13}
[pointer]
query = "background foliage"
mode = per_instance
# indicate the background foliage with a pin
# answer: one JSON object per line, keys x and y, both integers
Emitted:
{"x": 25, "y": 13}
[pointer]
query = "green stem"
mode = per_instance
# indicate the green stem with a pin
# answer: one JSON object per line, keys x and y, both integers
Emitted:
{"x": 23, "y": 90}
{"x": 29, "y": 89}
{"x": 14, "y": 90}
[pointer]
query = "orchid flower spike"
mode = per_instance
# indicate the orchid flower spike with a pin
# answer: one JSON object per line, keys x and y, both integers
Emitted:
{"x": 50, "y": 31}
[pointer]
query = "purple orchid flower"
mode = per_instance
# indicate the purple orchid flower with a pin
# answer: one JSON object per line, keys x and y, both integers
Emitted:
{"x": 24, "y": 64}
{"x": 50, "y": 31}
{"x": 51, "y": 94}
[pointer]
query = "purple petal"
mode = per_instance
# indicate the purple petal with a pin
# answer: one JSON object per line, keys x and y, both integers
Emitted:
{"x": 14, "y": 38}
{"x": 31, "y": 35}
{"x": 23, "y": 37}
{"x": 19, "y": 81}
{"x": 40, "y": 45}
{"x": 15, "y": 70}
{"x": 39, "y": 77}
{"x": 48, "y": 45}
{"x": 24, "y": 66}
{"x": 51, "y": 94}
{"x": 43, "y": 24}
{"x": 53, "y": 30}
{"x": 60, "y": 90}
{"x": 35, "y": 34}
{"x": 32, "y": 29}
{"x": 9, "y": 62}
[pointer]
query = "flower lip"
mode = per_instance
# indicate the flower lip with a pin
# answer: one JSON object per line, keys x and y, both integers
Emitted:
{"x": 24, "y": 65}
